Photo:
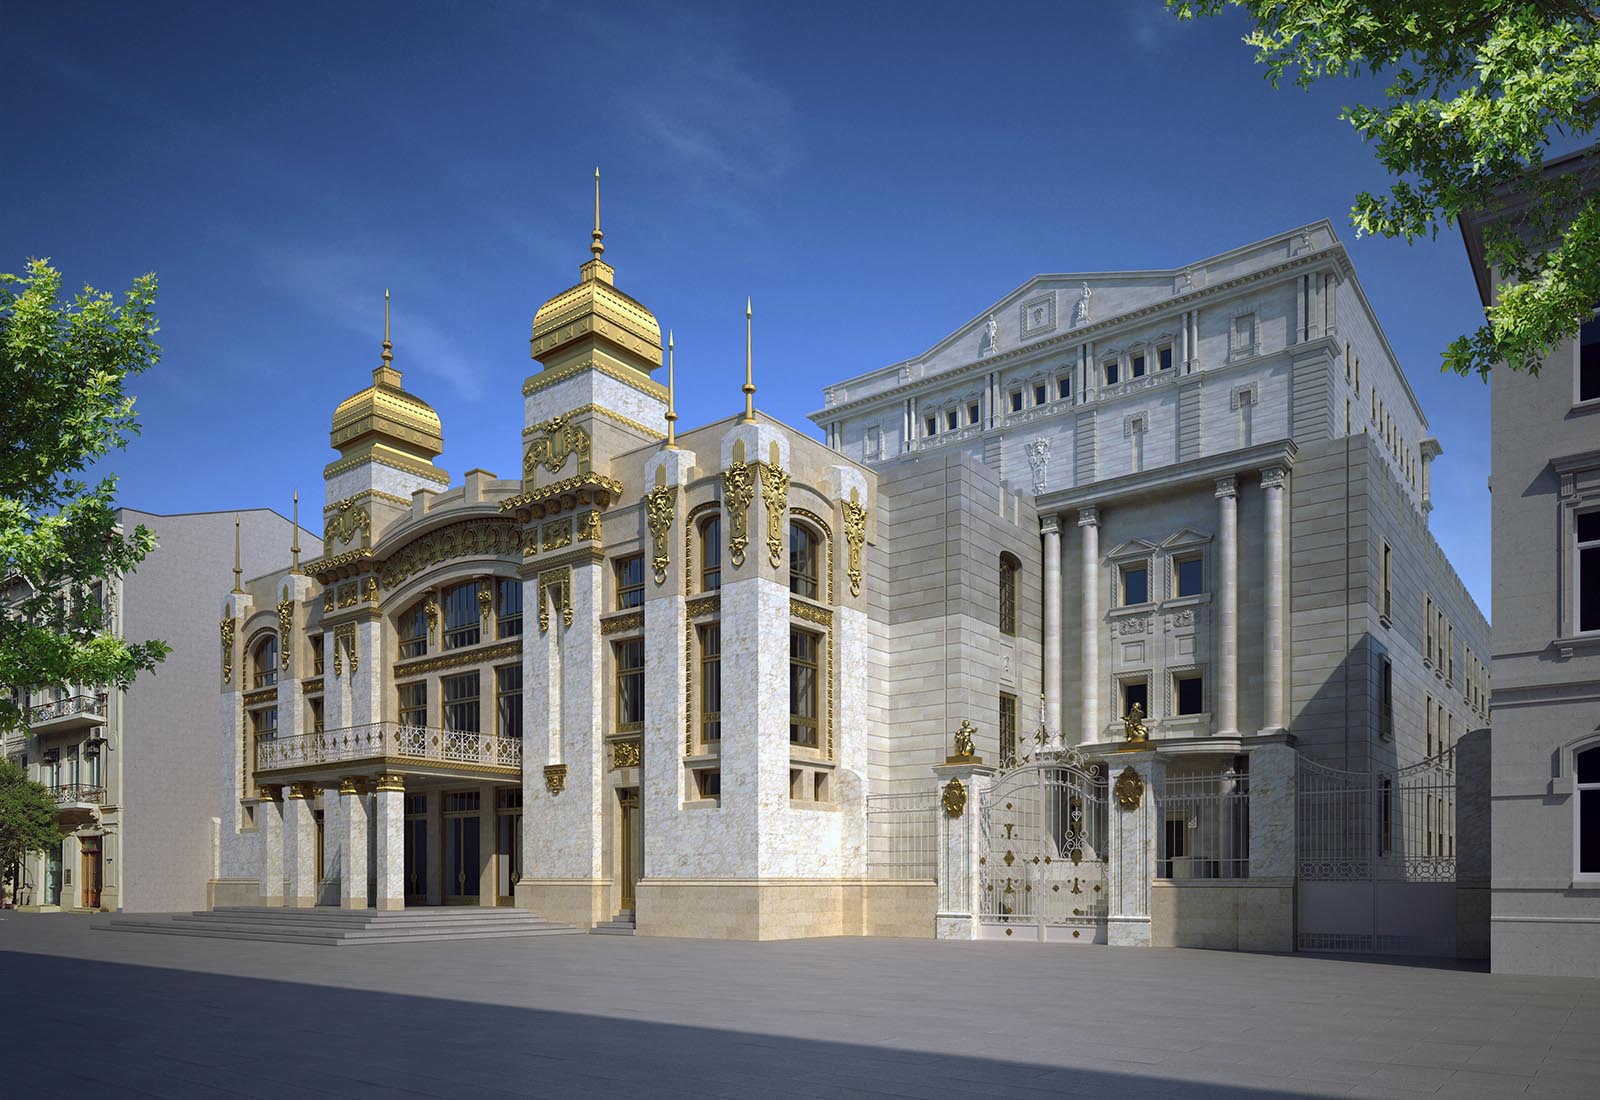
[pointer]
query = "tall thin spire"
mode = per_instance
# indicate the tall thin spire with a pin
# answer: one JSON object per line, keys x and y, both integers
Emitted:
{"x": 294, "y": 547}
{"x": 749, "y": 383}
{"x": 388, "y": 348}
{"x": 598, "y": 246}
{"x": 237, "y": 572}
{"x": 672, "y": 410}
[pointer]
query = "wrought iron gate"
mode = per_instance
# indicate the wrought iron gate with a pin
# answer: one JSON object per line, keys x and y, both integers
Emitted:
{"x": 1043, "y": 845}
{"x": 1375, "y": 859}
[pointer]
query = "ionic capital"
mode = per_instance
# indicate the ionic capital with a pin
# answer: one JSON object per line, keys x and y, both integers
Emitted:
{"x": 1050, "y": 525}
{"x": 1227, "y": 487}
{"x": 1272, "y": 477}
{"x": 1089, "y": 517}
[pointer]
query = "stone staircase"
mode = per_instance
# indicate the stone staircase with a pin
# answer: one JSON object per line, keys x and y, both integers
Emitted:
{"x": 330, "y": 927}
{"x": 620, "y": 925}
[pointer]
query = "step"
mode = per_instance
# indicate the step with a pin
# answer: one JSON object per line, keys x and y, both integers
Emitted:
{"x": 357, "y": 918}
{"x": 334, "y": 939}
{"x": 335, "y": 927}
{"x": 611, "y": 929}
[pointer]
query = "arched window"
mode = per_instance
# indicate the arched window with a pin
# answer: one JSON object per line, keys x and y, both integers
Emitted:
{"x": 1009, "y": 568}
{"x": 1586, "y": 814}
{"x": 711, "y": 554}
{"x": 803, "y": 560}
{"x": 413, "y": 627}
{"x": 264, "y": 662}
{"x": 461, "y": 616}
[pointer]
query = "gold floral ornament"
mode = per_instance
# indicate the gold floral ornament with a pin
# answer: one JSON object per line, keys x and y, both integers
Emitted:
{"x": 341, "y": 527}
{"x": 955, "y": 798}
{"x": 1129, "y": 789}
{"x": 555, "y": 778}
{"x": 855, "y": 535}
{"x": 661, "y": 503}
{"x": 485, "y": 603}
{"x": 227, "y": 649}
{"x": 775, "y": 493}
{"x": 625, "y": 754}
{"x": 737, "y": 491}
{"x": 285, "y": 629}
{"x": 589, "y": 526}
{"x": 561, "y": 440}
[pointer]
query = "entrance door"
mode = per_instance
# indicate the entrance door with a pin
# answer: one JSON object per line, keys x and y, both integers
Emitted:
{"x": 416, "y": 834}
{"x": 52, "y": 875}
{"x": 93, "y": 868}
{"x": 630, "y": 852}
{"x": 508, "y": 844}
{"x": 462, "y": 858}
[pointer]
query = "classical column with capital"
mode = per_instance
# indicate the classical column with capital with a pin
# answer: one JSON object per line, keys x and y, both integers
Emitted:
{"x": 1089, "y": 526}
{"x": 1228, "y": 607}
{"x": 300, "y": 849}
{"x": 353, "y": 883}
{"x": 1050, "y": 528}
{"x": 1272, "y": 674}
{"x": 389, "y": 831}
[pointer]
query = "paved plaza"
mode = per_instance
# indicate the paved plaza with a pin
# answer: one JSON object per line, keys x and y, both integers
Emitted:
{"x": 616, "y": 1017}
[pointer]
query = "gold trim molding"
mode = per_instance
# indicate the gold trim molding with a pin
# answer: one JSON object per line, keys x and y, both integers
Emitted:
{"x": 227, "y": 626}
{"x": 420, "y": 469}
{"x": 484, "y": 655}
{"x": 471, "y": 538}
{"x": 608, "y": 414}
{"x": 810, "y": 613}
{"x": 256, "y": 698}
{"x": 703, "y": 605}
{"x": 621, "y": 624}
{"x": 550, "y": 499}
{"x": 547, "y": 378}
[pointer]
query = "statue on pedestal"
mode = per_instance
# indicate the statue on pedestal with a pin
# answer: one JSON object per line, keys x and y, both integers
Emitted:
{"x": 1133, "y": 724}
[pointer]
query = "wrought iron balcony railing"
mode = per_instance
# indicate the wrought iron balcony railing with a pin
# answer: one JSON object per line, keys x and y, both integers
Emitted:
{"x": 78, "y": 792}
{"x": 65, "y": 708}
{"x": 388, "y": 741}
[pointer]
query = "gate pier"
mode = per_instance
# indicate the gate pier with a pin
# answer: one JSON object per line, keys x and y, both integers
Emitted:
{"x": 963, "y": 785}
{"x": 1136, "y": 779}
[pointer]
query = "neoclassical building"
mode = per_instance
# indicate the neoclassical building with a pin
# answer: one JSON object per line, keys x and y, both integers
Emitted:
{"x": 736, "y": 681}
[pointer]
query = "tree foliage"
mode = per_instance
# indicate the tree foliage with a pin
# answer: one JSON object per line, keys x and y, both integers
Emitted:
{"x": 1477, "y": 91}
{"x": 27, "y": 820}
{"x": 63, "y": 368}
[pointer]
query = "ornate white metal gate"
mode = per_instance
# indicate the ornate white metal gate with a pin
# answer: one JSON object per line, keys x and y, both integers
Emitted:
{"x": 1375, "y": 859}
{"x": 1042, "y": 852}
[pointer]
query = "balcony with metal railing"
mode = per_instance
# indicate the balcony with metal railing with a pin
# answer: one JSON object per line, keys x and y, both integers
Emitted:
{"x": 390, "y": 744}
{"x": 69, "y": 713}
{"x": 79, "y": 794}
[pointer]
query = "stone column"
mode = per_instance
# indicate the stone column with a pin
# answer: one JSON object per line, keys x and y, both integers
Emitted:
{"x": 1228, "y": 607}
{"x": 269, "y": 822}
{"x": 1050, "y": 527}
{"x": 300, "y": 829}
{"x": 391, "y": 833}
{"x": 1136, "y": 778}
{"x": 960, "y": 884}
{"x": 353, "y": 874}
{"x": 1089, "y": 527}
{"x": 1266, "y": 913}
{"x": 1272, "y": 672}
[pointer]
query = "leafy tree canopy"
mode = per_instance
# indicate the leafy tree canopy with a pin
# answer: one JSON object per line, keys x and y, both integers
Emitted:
{"x": 27, "y": 818}
{"x": 63, "y": 367}
{"x": 1477, "y": 90}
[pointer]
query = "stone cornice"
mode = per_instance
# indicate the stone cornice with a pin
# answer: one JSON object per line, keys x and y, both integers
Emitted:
{"x": 547, "y": 378}
{"x": 1204, "y": 470}
{"x": 600, "y": 411}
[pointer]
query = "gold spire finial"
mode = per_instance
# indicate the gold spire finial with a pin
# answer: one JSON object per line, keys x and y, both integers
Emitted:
{"x": 294, "y": 547}
{"x": 672, "y": 411}
{"x": 388, "y": 348}
{"x": 237, "y": 572}
{"x": 598, "y": 246}
{"x": 749, "y": 383}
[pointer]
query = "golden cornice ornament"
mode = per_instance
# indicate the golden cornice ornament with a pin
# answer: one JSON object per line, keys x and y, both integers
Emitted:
{"x": 300, "y": 790}
{"x": 703, "y": 605}
{"x": 555, "y": 778}
{"x": 430, "y": 611}
{"x": 855, "y": 536}
{"x": 285, "y": 629}
{"x": 1129, "y": 788}
{"x": 390, "y": 781}
{"x": 622, "y": 624}
{"x": 954, "y": 798}
{"x": 227, "y": 626}
{"x": 601, "y": 411}
{"x": 257, "y": 698}
{"x": 625, "y": 754}
{"x": 809, "y": 612}
{"x": 457, "y": 659}
{"x": 346, "y": 522}
{"x": 661, "y": 504}
{"x": 589, "y": 526}
{"x": 326, "y": 567}
{"x": 561, "y": 440}
{"x": 737, "y": 491}
{"x": 573, "y": 492}
{"x": 353, "y": 784}
{"x": 395, "y": 462}
{"x": 469, "y": 538}
{"x": 775, "y": 494}
{"x": 312, "y": 686}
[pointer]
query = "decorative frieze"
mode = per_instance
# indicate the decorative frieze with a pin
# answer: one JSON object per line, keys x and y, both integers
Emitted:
{"x": 472, "y": 538}
{"x": 622, "y": 624}
{"x": 625, "y": 754}
{"x": 227, "y": 626}
{"x": 256, "y": 698}
{"x": 553, "y": 536}
{"x": 810, "y": 613}
{"x": 703, "y": 605}
{"x": 347, "y": 595}
{"x": 478, "y": 655}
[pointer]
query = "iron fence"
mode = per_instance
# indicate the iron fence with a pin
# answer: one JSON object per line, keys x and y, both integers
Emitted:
{"x": 902, "y": 835}
{"x": 1203, "y": 826}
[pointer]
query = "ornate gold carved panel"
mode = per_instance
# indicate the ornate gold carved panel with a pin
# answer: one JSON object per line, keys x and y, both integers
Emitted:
{"x": 737, "y": 490}
{"x": 775, "y": 494}
{"x": 661, "y": 504}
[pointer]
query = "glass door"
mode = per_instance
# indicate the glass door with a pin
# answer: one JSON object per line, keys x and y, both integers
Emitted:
{"x": 508, "y": 844}
{"x": 630, "y": 853}
{"x": 462, "y": 858}
{"x": 52, "y": 875}
{"x": 416, "y": 834}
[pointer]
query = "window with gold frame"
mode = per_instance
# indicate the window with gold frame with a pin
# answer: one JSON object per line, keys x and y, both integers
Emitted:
{"x": 804, "y": 650}
{"x": 629, "y": 656}
{"x": 711, "y": 683}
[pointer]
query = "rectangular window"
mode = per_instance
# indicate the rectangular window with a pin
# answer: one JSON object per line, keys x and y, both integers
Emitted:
{"x": 1586, "y": 812}
{"x": 316, "y": 655}
{"x": 1063, "y": 387}
{"x": 630, "y": 685}
{"x": 508, "y": 700}
{"x": 1450, "y": 652}
{"x": 1110, "y": 368}
{"x": 1244, "y": 333}
{"x": 931, "y": 426}
{"x": 630, "y": 581}
{"x": 872, "y": 442}
{"x": 1589, "y": 362}
{"x": 1190, "y": 694}
{"x": 263, "y": 723}
{"x": 711, "y": 554}
{"x": 1427, "y": 725}
{"x": 1135, "y": 584}
{"x": 1136, "y": 365}
{"x": 708, "y": 784}
{"x": 1387, "y": 607}
{"x": 1016, "y": 401}
{"x": 973, "y": 413}
{"x": 804, "y": 561}
{"x": 461, "y": 616}
{"x": 1008, "y": 596}
{"x": 1164, "y": 357}
{"x": 1587, "y": 530}
{"x": 711, "y": 682}
{"x": 1008, "y": 727}
{"x": 1041, "y": 393}
{"x": 1190, "y": 576}
{"x": 461, "y": 702}
{"x": 414, "y": 703}
{"x": 1386, "y": 699}
{"x": 1136, "y": 693}
{"x": 803, "y": 650}
{"x": 315, "y": 706}
{"x": 950, "y": 419}
{"x": 508, "y": 611}
{"x": 1427, "y": 629}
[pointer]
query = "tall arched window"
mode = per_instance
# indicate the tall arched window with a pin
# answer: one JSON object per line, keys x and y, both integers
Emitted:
{"x": 264, "y": 662}
{"x": 803, "y": 560}
{"x": 1586, "y": 814}
{"x": 711, "y": 554}
{"x": 1009, "y": 568}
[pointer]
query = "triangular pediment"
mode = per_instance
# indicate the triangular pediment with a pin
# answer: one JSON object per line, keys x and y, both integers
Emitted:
{"x": 1132, "y": 548}
{"x": 1187, "y": 537}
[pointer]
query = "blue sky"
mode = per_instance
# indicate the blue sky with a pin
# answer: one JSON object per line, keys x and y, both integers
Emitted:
{"x": 871, "y": 176}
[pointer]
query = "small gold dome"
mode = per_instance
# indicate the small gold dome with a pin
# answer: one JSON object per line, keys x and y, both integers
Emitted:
{"x": 384, "y": 413}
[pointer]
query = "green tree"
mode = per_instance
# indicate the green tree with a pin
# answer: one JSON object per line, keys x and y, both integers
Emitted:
{"x": 63, "y": 366}
{"x": 1476, "y": 92}
{"x": 27, "y": 821}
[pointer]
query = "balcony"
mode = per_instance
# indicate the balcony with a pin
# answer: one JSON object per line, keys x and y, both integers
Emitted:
{"x": 73, "y": 712}
{"x": 386, "y": 743}
{"x": 77, "y": 804}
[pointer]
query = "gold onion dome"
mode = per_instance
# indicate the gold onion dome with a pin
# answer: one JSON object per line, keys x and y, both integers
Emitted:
{"x": 384, "y": 417}
{"x": 596, "y": 310}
